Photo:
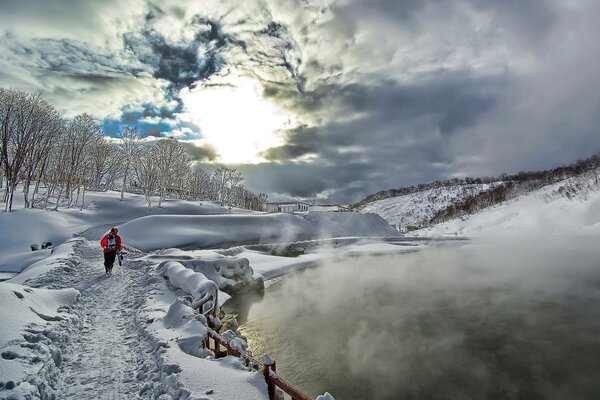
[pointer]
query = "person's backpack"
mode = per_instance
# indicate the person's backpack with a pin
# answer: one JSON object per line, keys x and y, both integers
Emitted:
{"x": 111, "y": 242}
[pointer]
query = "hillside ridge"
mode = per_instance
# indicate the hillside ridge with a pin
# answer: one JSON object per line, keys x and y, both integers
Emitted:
{"x": 427, "y": 204}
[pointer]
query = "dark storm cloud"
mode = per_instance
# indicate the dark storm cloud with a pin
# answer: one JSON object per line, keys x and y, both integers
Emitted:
{"x": 179, "y": 63}
{"x": 391, "y": 113}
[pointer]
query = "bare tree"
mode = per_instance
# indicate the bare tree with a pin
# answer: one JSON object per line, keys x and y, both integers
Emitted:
{"x": 80, "y": 133}
{"x": 199, "y": 184}
{"x": 22, "y": 116}
{"x": 147, "y": 172}
{"x": 129, "y": 147}
{"x": 50, "y": 126}
{"x": 172, "y": 161}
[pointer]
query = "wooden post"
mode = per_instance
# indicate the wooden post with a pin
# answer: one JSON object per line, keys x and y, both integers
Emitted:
{"x": 215, "y": 303}
{"x": 269, "y": 365}
{"x": 217, "y": 349}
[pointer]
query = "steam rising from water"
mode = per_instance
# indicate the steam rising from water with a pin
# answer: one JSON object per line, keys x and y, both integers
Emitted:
{"x": 502, "y": 320}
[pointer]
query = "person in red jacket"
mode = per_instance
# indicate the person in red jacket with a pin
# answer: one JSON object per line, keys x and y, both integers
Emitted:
{"x": 111, "y": 243}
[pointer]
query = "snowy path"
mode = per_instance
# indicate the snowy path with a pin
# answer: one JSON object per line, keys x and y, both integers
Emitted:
{"x": 109, "y": 356}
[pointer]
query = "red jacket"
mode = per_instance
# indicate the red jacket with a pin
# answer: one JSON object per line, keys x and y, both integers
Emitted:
{"x": 105, "y": 245}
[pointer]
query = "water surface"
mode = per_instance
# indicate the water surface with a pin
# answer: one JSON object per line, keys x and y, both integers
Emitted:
{"x": 503, "y": 320}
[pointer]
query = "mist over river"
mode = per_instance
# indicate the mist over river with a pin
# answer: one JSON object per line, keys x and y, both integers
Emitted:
{"x": 502, "y": 319}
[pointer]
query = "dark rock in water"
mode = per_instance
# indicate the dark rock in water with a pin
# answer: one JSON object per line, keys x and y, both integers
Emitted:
{"x": 242, "y": 298}
{"x": 46, "y": 245}
{"x": 287, "y": 251}
{"x": 34, "y": 247}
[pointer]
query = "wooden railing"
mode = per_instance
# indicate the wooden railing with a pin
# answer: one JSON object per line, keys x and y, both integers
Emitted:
{"x": 268, "y": 367}
{"x": 222, "y": 348}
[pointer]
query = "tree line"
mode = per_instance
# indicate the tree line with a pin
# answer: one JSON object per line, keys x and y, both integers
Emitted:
{"x": 57, "y": 160}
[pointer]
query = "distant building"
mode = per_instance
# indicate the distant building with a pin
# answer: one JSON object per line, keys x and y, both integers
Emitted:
{"x": 287, "y": 207}
{"x": 329, "y": 207}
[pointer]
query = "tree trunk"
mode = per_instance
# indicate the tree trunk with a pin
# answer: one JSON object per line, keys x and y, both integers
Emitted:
{"x": 26, "y": 193}
{"x": 82, "y": 200}
{"x": 124, "y": 180}
{"x": 58, "y": 199}
{"x": 10, "y": 201}
{"x": 160, "y": 197}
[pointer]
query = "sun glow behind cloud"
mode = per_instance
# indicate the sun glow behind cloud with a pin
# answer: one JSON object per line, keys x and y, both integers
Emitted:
{"x": 234, "y": 118}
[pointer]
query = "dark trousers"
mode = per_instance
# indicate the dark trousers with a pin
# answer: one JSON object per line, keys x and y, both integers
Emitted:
{"x": 109, "y": 259}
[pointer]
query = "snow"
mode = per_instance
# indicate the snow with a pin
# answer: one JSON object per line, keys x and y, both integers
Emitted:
{"x": 193, "y": 283}
{"x": 75, "y": 331}
{"x": 205, "y": 231}
{"x": 342, "y": 224}
{"x": 28, "y": 316}
{"x": 23, "y": 227}
{"x": 541, "y": 212}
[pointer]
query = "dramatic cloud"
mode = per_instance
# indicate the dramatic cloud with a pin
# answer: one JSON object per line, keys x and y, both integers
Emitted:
{"x": 320, "y": 98}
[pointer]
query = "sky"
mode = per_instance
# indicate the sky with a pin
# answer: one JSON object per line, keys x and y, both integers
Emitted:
{"x": 324, "y": 100}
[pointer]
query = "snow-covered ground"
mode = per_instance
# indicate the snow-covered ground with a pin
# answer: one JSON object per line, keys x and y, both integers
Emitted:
{"x": 70, "y": 332}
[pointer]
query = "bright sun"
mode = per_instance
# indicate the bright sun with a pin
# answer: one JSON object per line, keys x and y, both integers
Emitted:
{"x": 234, "y": 118}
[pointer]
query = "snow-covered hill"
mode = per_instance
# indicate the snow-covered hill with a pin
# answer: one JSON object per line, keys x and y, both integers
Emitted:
{"x": 570, "y": 207}
{"x": 417, "y": 208}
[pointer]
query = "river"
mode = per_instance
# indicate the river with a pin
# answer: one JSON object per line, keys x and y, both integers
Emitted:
{"x": 504, "y": 320}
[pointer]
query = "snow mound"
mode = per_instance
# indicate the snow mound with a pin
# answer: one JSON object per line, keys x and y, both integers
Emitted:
{"x": 206, "y": 231}
{"x": 349, "y": 224}
{"x": 191, "y": 328}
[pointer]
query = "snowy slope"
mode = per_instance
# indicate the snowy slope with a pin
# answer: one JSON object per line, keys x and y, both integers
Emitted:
{"x": 200, "y": 231}
{"x": 413, "y": 209}
{"x": 345, "y": 224}
{"x": 542, "y": 212}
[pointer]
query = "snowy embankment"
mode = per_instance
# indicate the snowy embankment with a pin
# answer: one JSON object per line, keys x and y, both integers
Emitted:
{"x": 543, "y": 212}
{"x": 211, "y": 231}
{"x": 350, "y": 224}
{"x": 205, "y": 231}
